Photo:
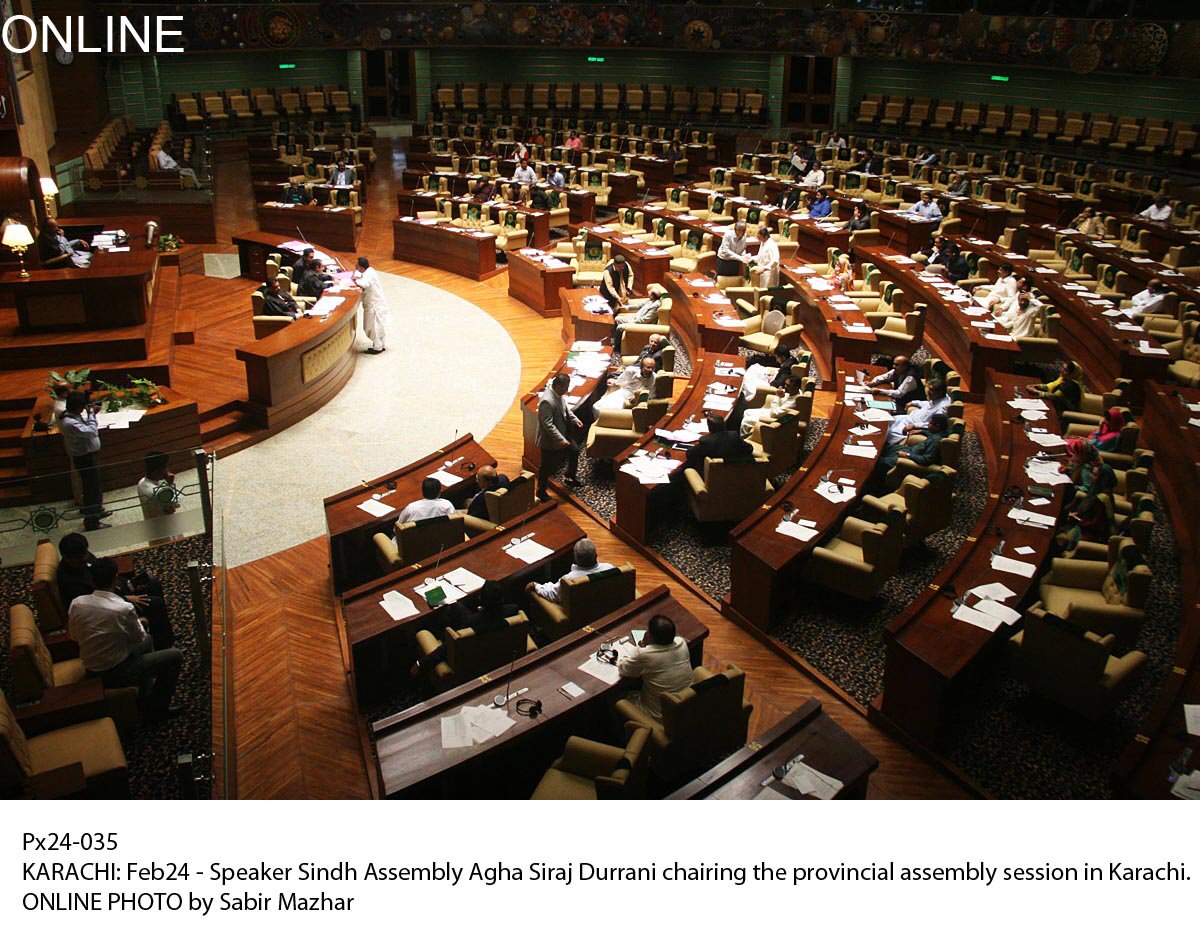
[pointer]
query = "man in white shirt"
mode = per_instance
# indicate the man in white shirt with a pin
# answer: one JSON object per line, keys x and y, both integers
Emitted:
{"x": 731, "y": 254}
{"x": 158, "y": 479}
{"x": 114, "y": 646}
{"x": 837, "y": 141}
{"x": 766, "y": 262}
{"x": 920, "y": 412}
{"x": 525, "y": 174}
{"x": 1021, "y": 314}
{"x": 374, "y": 304}
{"x": 166, "y": 162}
{"x": 1001, "y": 291}
{"x": 777, "y": 404}
{"x": 815, "y": 175}
{"x": 431, "y": 504}
{"x": 926, "y": 208}
{"x": 663, "y": 663}
{"x": 584, "y": 563}
{"x": 1149, "y": 301}
{"x": 1160, "y": 211}
{"x": 625, "y": 390}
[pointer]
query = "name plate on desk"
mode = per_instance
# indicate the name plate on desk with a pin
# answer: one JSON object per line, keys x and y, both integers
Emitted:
{"x": 317, "y": 361}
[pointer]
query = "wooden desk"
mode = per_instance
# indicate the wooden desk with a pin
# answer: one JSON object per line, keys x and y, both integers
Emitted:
{"x": 334, "y": 229}
{"x": 1163, "y": 236}
{"x": 536, "y": 284}
{"x": 623, "y": 188}
{"x": 580, "y": 324}
{"x": 903, "y": 233}
{"x": 764, "y": 564}
{"x": 929, "y": 654}
{"x": 1043, "y": 206}
{"x": 636, "y": 502}
{"x": 467, "y": 252}
{"x": 826, "y": 747}
{"x": 650, "y": 265}
{"x": 1084, "y": 333}
{"x": 255, "y": 246}
{"x": 1161, "y": 737}
{"x": 410, "y": 756}
{"x": 582, "y": 206}
{"x": 375, "y": 639}
{"x": 296, "y": 370}
{"x": 116, "y": 291}
{"x": 658, "y": 172}
{"x": 693, "y": 316}
{"x": 982, "y": 219}
{"x": 584, "y": 392}
{"x": 970, "y": 350}
{"x": 350, "y": 529}
{"x": 827, "y": 330}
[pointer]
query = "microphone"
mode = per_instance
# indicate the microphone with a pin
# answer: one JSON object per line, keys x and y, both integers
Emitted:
{"x": 502, "y": 700}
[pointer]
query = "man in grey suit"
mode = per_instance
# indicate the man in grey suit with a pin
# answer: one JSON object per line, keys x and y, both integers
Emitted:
{"x": 554, "y": 431}
{"x": 342, "y": 175}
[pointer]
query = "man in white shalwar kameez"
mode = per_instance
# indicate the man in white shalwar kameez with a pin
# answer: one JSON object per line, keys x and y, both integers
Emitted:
{"x": 766, "y": 261}
{"x": 374, "y": 304}
{"x": 624, "y": 391}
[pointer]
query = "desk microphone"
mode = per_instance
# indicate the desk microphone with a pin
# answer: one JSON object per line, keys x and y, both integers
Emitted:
{"x": 502, "y": 700}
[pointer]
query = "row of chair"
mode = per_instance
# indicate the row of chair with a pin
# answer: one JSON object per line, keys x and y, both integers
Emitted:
{"x": 587, "y": 98}
{"x": 216, "y": 108}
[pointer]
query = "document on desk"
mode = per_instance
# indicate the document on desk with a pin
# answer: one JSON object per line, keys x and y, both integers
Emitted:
{"x": 451, "y": 592}
{"x": 326, "y": 304}
{"x": 969, "y": 615}
{"x": 875, "y": 416}
{"x": 860, "y": 450}
{"x": 376, "y": 508}
{"x": 1146, "y": 348}
{"x": 529, "y": 551}
{"x": 1187, "y": 786}
{"x": 1046, "y": 471}
{"x": 829, "y": 491}
{"x": 993, "y": 591}
{"x": 465, "y": 580}
{"x": 810, "y": 782}
{"x": 797, "y": 530}
{"x": 605, "y": 672}
{"x": 864, "y": 430}
{"x": 490, "y": 720}
{"x": 1036, "y": 403}
{"x": 399, "y": 607}
{"x": 649, "y": 470}
{"x": 456, "y": 731}
{"x": 444, "y": 476}
{"x": 1013, "y": 566}
{"x": 721, "y": 404}
{"x": 770, "y": 793}
{"x": 1191, "y": 718}
{"x": 592, "y": 346}
{"x": 997, "y": 610}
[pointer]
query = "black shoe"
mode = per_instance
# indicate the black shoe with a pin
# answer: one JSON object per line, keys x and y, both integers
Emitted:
{"x": 572, "y": 482}
{"x": 373, "y": 351}
{"x": 96, "y": 526}
{"x": 103, "y": 514}
{"x": 172, "y": 712}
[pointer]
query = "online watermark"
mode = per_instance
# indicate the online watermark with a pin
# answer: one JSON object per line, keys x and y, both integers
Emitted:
{"x": 22, "y": 33}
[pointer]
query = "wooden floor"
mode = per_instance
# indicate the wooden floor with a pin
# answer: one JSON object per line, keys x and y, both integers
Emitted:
{"x": 294, "y": 732}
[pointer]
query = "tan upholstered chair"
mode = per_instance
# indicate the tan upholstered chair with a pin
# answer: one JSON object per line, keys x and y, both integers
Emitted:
{"x": 860, "y": 558}
{"x": 511, "y": 234}
{"x": 781, "y": 439}
{"x": 591, "y": 257}
{"x": 33, "y": 669}
{"x": 92, "y": 749}
{"x": 699, "y": 726}
{"x": 1107, "y": 597}
{"x": 1066, "y": 663}
{"x": 949, "y": 455}
{"x": 728, "y": 490}
{"x": 1185, "y": 369}
{"x": 418, "y": 540}
{"x": 470, "y": 655}
{"x": 585, "y": 598}
{"x": 616, "y": 430}
{"x": 768, "y": 329}
{"x": 589, "y": 770}
{"x": 52, "y": 616}
{"x": 504, "y": 503}
{"x": 694, "y": 251}
{"x": 927, "y": 503}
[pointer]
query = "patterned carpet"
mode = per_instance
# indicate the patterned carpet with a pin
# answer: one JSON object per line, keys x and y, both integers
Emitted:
{"x": 151, "y": 751}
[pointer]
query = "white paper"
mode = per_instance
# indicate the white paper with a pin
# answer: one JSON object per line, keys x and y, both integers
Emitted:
{"x": 529, "y": 551}
{"x": 859, "y": 451}
{"x": 1013, "y": 566}
{"x": 465, "y": 580}
{"x": 796, "y": 531}
{"x": 978, "y": 618}
{"x": 830, "y": 492}
{"x": 1024, "y": 550}
{"x": 447, "y": 479}
{"x": 375, "y": 508}
{"x": 994, "y": 591}
{"x": 811, "y": 782}
{"x": 452, "y": 594}
{"x": 605, "y": 672}
{"x": 1191, "y": 717}
{"x": 399, "y": 607}
{"x": 456, "y": 731}
{"x": 572, "y": 690}
{"x": 997, "y": 610}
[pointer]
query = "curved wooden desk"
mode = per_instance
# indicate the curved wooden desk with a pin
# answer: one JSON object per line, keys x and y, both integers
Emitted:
{"x": 693, "y": 317}
{"x": 831, "y": 332}
{"x": 464, "y": 251}
{"x": 586, "y": 390}
{"x": 297, "y": 370}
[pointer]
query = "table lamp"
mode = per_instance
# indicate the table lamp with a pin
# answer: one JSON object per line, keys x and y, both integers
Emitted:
{"x": 17, "y": 237}
{"x": 49, "y": 190}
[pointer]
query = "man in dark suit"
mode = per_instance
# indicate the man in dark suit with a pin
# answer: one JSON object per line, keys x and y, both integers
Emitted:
{"x": 488, "y": 479}
{"x": 301, "y": 266}
{"x": 277, "y": 302}
{"x": 490, "y": 615}
{"x": 789, "y": 199}
{"x": 143, "y": 591}
{"x": 719, "y": 443}
{"x": 555, "y": 430}
{"x": 342, "y": 175}
{"x": 53, "y": 244}
{"x": 315, "y": 281}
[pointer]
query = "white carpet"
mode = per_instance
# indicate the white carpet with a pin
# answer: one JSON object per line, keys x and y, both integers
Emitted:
{"x": 222, "y": 266}
{"x": 449, "y": 369}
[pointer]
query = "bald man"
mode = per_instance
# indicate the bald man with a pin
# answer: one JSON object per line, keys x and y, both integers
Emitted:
{"x": 488, "y": 479}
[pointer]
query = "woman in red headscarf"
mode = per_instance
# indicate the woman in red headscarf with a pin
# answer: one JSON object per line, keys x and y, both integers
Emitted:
{"x": 1106, "y": 437}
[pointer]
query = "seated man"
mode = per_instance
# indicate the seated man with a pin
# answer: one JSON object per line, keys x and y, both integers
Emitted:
{"x": 925, "y": 452}
{"x": 166, "y": 162}
{"x": 661, "y": 660}
{"x": 821, "y": 206}
{"x": 1161, "y": 210}
{"x": 926, "y": 208}
{"x": 1088, "y": 223}
{"x": 1021, "y": 315}
{"x": 301, "y": 266}
{"x": 53, "y": 243}
{"x": 654, "y": 349}
{"x": 720, "y": 442}
{"x": 342, "y": 176}
{"x": 625, "y": 391}
{"x": 554, "y": 177}
{"x": 278, "y": 302}
{"x": 958, "y": 185}
{"x": 776, "y": 405}
{"x": 431, "y": 504}
{"x": 585, "y": 563}
{"x": 773, "y": 370}
{"x": 905, "y": 383}
{"x": 294, "y": 194}
{"x": 788, "y": 199}
{"x": 113, "y": 645}
{"x": 920, "y": 413}
{"x": 485, "y": 190}
{"x": 815, "y": 174}
{"x": 315, "y": 281}
{"x": 1149, "y": 301}
{"x": 75, "y": 578}
{"x": 488, "y": 479}
{"x": 150, "y": 488}
{"x": 490, "y": 614}
{"x": 644, "y": 314}
{"x": 1001, "y": 291}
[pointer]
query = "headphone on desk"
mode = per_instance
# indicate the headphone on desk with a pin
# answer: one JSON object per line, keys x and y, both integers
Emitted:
{"x": 530, "y": 708}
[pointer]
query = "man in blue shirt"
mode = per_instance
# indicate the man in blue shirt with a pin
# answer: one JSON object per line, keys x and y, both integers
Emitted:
{"x": 926, "y": 208}
{"x": 821, "y": 205}
{"x": 81, "y": 436}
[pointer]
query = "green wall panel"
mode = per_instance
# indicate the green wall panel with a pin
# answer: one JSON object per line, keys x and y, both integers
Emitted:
{"x": 1169, "y": 98}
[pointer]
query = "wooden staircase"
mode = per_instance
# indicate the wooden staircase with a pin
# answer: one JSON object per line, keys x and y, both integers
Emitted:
{"x": 14, "y": 472}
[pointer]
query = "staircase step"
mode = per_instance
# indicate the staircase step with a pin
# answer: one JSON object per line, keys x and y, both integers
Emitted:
{"x": 219, "y": 426}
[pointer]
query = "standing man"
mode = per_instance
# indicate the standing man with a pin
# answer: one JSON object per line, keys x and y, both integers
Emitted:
{"x": 554, "y": 431}
{"x": 766, "y": 262}
{"x": 617, "y": 282}
{"x": 731, "y": 254}
{"x": 374, "y": 304}
{"x": 81, "y": 436}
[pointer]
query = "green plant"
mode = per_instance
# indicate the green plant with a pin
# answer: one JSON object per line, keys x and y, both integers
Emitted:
{"x": 73, "y": 379}
{"x": 140, "y": 394}
{"x": 169, "y": 242}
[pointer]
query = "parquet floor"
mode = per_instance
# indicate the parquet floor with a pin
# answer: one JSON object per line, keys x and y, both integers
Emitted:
{"x": 294, "y": 730}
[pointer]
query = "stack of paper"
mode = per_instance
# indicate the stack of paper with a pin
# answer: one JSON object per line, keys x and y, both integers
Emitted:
{"x": 1146, "y": 348}
{"x": 592, "y": 346}
{"x": 375, "y": 508}
{"x": 1013, "y": 566}
{"x": 859, "y": 449}
{"x": 398, "y": 606}
{"x": 874, "y": 416}
{"x": 648, "y": 469}
{"x": 720, "y": 404}
{"x": 452, "y": 593}
{"x": 528, "y": 550}
{"x": 803, "y": 530}
{"x": 464, "y": 580}
{"x": 809, "y": 782}
{"x": 1046, "y": 471}
{"x": 474, "y": 724}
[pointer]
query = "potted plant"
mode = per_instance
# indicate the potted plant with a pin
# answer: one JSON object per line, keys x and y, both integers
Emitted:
{"x": 59, "y": 385}
{"x": 140, "y": 394}
{"x": 169, "y": 242}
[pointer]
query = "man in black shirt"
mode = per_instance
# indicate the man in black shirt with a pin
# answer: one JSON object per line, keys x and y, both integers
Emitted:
{"x": 277, "y": 302}
{"x": 302, "y": 265}
{"x": 143, "y": 591}
{"x": 315, "y": 281}
{"x": 488, "y": 479}
{"x": 491, "y": 615}
{"x": 719, "y": 443}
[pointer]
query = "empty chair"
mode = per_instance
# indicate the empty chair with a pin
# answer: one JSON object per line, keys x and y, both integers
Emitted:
{"x": 860, "y": 557}
{"x": 692, "y": 252}
{"x": 504, "y": 503}
{"x": 470, "y": 655}
{"x": 1106, "y": 597}
{"x": 265, "y": 105}
{"x": 615, "y": 430}
{"x": 589, "y": 770}
{"x": 927, "y": 503}
{"x": 591, "y": 257}
{"x": 727, "y": 490}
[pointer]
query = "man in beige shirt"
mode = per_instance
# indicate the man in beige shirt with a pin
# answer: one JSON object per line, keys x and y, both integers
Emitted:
{"x": 663, "y": 663}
